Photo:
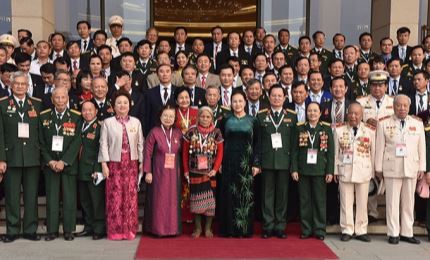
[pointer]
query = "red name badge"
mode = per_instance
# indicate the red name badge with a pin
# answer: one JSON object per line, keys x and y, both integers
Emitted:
{"x": 32, "y": 113}
{"x": 202, "y": 162}
{"x": 169, "y": 161}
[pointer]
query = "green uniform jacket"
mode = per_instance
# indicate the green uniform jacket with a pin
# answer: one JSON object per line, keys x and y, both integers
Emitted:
{"x": 88, "y": 163}
{"x": 275, "y": 159}
{"x": 301, "y": 144}
{"x": 19, "y": 152}
{"x": 70, "y": 130}
{"x": 219, "y": 113}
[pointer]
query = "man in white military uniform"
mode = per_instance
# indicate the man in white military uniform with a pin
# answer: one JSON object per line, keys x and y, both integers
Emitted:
{"x": 377, "y": 105}
{"x": 354, "y": 164}
{"x": 116, "y": 24}
{"x": 400, "y": 159}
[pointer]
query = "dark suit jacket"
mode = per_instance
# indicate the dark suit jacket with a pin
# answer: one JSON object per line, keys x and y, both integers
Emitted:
{"x": 413, "y": 107}
{"x": 153, "y": 104}
{"x": 209, "y": 48}
{"x": 187, "y": 50}
{"x": 254, "y": 50}
{"x": 38, "y": 84}
{"x": 65, "y": 56}
{"x": 223, "y": 56}
{"x": 138, "y": 83}
{"x": 263, "y": 105}
{"x": 326, "y": 97}
{"x": 395, "y": 52}
{"x": 326, "y": 111}
{"x": 90, "y": 45}
{"x": 137, "y": 106}
{"x": 199, "y": 97}
{"x": 405, "y": 86}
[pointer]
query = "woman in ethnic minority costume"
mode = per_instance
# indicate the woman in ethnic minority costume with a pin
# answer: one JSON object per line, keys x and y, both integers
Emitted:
{"x": 162, "y": 167}
{"x": 202, "y": 157}
{"x": 186, "y": 116}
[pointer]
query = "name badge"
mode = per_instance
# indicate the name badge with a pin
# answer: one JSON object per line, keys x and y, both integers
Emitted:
{"x": 312, "y": 156}
{"x": 23, "y": 130}
{"x": 202, "y": 162}
{"x": 169, "y": 161}
{"x": 347, "y": 157}
{"x": 276, "y": 140}
{"x": 401, "y": 150}
{"x": 57, "y": 143}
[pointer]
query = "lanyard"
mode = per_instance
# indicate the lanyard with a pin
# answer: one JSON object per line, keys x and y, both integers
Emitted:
{"x": 187, "y": 122}
{"x": 278, "y": 124}
{"x": 22, "y": 116}
{"x": 58, "y": 128}
{"x": 168, "y": 140}
{"x": 203, "y": 141}
{"x": 312, "y": 138}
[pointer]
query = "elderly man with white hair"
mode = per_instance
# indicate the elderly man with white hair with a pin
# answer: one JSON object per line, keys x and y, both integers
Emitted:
{"x": 400, "y": 160}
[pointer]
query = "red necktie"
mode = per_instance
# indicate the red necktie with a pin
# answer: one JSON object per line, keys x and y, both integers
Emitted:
{"x": 75, "y": 65}
{"x": 203, "y": 82}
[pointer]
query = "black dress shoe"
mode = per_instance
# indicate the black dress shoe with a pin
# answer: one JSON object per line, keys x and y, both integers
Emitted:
{"x": 364, "y": 238}
{"x": 320, "y": 237}
{"x": 304, "y": 236}
{"x": 280, "y": 234}
{"x": 345, "y": 237}
{"x": 9, "y": 238}
{"x": 393, "y": 240}
{"x": 84, "y": 233}
{"x": 98, "y": 236}
{"x": 68, "y": 236}
{"x": 51, "y": 236}
{"x": 371, "y": 219}
{"x": 32, "y": 237}
{"x": 411, "y": 240}
{"x": 266, "y": 234}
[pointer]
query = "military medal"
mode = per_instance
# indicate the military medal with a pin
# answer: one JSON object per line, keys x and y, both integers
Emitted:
{"x": 32, "y": 113}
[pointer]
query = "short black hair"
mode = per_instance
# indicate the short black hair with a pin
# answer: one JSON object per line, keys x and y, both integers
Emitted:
{"x": 338, "y": 78}
{"x": 314, "y": 35}
{"x": 275, "y": 86}
{"x": 28, "y": 32}
{"x": 365, "y": 34}
{"x": 403, "y": 29}
{"x": 27, "y": 40}
{"x": 71, "y": 43}
{"x": 181, "y": 27}
{"x": 143, "y": 42}
{"x": 339, "y": 34}
{"x": 100, "y": 32}
{"x": 48, "y": 68}
{"x": 124, "y": 39}
{"x": 83, "y": 22}
{"x": 8, "y": 67}
{"x": 22, "y": 57}
{"x": 283, "y": 30}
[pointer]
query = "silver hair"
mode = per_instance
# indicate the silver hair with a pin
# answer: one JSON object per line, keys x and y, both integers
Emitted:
{"x": 18, "y": 74}
{"x": 56, "y": 89}
{"x": 402, "y": 95}
{"x": 206, "y": 109}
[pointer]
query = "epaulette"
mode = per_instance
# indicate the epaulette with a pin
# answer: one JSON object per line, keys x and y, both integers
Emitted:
{"x": 370, "y": 126}
{"x": 226, "y": 108}
{"x": 263, "y": 111}
{"x": 427, "y": 128}
{"x": 325, "y": 123}
{"x": 75, "y": 112}
{"x": 37, "y": 99}
{"x": 300, "y": 123}
{"x": 45, "y": 111}
{"x": 383, "y": 118}
{"x": 291, "y": 111}
{"x": 417, "y": 118}
{"x": 3, "y": 98}
{"x": 405, "y": 65}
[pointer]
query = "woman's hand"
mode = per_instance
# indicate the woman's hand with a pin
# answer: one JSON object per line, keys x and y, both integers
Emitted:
{"x": 328, "y": 178}
{"x": 255, "y": 171}
{"x": 212, "y": 173}
{"x": 295, "y": 176}
{"x": 105, "y": 170}
{"x": 148, "y": 178}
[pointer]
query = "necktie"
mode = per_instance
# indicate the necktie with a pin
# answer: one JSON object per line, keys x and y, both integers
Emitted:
{"x": 143, "y": 65}
{"x": 180, "y": 48}
{"x": 402, "y": 53}
{"x": 192, "y": 95}
{"x": 339, "y": 54}
{"x": 75, "y": 65}
{"x": 49, "y": 88}
{"x": 378, "y": 103}
{"x": 203, "y": 81}
{"x": 226, "y": 101}
{"x": 355, "y": 129}
{"x": 259, "y": 77}
{"x": 215, "y": 52}
{"x": 253, "y": 109}
{"x": 165, "y": 95}
{"x": 84, "y": 126}
{"x": 57, "y": 55}
{"x": 421, "y": 103}
{"x": 394, "y": 86}
{"x": 338, "y": 114}
{"x": 234, "y": 54}
{"x": 101, "y": 104}
{"x": 366, "y": 56}
{"x": 276, "y": 116}
{"x": 21, "y": 104}
{"x": 248, "y": 50}
{"x": 314, "y": 98}
{"x": 402, "y": 123}
{"x": 364, "y": 89}
{"x": 85, "y": 46}
{"x": 59, "y": 116}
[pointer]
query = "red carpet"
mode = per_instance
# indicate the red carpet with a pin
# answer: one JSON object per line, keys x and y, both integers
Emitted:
{"x": 185, "y": 247}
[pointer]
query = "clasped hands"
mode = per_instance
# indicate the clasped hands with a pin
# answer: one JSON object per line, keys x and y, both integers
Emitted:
{"x": 56, "y": 166}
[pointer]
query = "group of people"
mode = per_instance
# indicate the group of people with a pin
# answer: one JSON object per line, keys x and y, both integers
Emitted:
{"x": 232, "y": 131}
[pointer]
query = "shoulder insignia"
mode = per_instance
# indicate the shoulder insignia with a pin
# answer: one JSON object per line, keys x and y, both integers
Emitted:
{"x": 300, "y": 123}
{"x": 325, "y": 123}
{"x": 427, "y": 128}
{"x": 416, "y": 118}
{"x": 263, "y": 111}
{"x": 76, "y": 112}
{"x": 226, "y": 108}
{"x": 45, "y": 111}
{"x": 371, "y": 127}
{"x": 37, "y": 99}
{"x": 383, "y": 118}
{"x": 291, "y": 111}
{"x": 405, "y": 66}
{"x": 3, "y": 98}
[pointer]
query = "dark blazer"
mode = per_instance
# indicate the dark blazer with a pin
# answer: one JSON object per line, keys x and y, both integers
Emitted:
{"x": 199, "y": 97}
{"x": 405, "y": 86}
{"x": 326, "y": 111}
{"x": 263, "y": 105}
{"x": 138, "y": 83}
{"x": 395, "y": 52}
{"x": 137, "y": 105}
{"x": 90, "y": 45}
{"x": 254, "y": 50}
{"x": 209, "y": 48}
{"x": 223, "y": 56}
{"x": 38, "y": 85}
{"x": 187, "y": 50}
{"x": 413, "y": 106}
{"x": 65, "y": 56}
{"x": 153, "y": 104}
{"x": 326, "y": 97}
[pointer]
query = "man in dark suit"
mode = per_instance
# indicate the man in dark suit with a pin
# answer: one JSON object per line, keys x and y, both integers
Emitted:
{"x": 5, "y": 71}
{"x": 254, "y": 91}
{"x": 248, "y": 43}
{"x": 338, "y": 43}
{"x": 158, "y": 96}
{"x": 58, "y": 42}
{"x": 123, "y": 45}
{"x": 397, "y": 84}
{"x": 420, "y": 97}
{"x": 216, "y": 45}
{"x": 416, "y": 64}
{"x": 402, "y": 50}
{"x": 84, "y": 30}
{"x": 47, "y": 71}
{"x": 316, "y": 92}
{"x": 319, "y": 42}
{"x": 180, "y": 43}
{"x": 189, "y": 74}
{"x": 233, "y": 50}
{"x": 77, "y": 61}
{"x": 23, "y": 61}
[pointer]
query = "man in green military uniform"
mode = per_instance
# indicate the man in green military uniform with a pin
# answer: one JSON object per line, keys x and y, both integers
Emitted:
{"x": 319, "y": 41}
{"x": 20, "y": 157}
{"x": 284, "y": 45}
{"x": 312, "y": 166}
{"x": 59, "y": 142}
{"x": 276, "y": 127}
{"x": 92, "y": 195}
{"x": 145, "y": 64}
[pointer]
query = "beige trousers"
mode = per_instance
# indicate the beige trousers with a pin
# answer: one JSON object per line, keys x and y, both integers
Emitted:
{"x": 348, "y": 192}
